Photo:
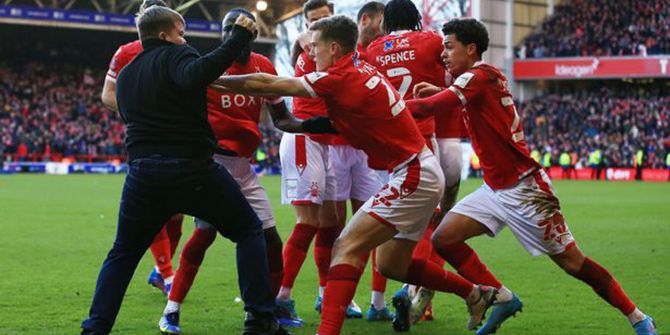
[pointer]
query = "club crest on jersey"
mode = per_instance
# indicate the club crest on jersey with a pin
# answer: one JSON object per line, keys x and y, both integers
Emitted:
{"x": 388, "y": 45}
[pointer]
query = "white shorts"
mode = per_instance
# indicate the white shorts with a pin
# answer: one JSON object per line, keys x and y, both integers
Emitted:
{"x": 243, "y": 172}
{"x": 451, "y": 160}
{"x": 407, "y": 202}
{"x": 354, "y": 179}
{"x": 530, "y": 209}
{"x": 307, "y": 173}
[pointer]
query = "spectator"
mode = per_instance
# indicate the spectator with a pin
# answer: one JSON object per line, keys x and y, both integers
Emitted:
{"x": 601, "y": 28}
{"x": 614, "y": 120}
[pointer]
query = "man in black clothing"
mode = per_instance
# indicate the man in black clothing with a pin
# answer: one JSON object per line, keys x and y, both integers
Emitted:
{"x": 161, "y": 96}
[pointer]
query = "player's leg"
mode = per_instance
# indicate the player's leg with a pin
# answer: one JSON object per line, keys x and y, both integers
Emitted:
{"x": 451, "y": 162}
{"x": 553, "y": 237}
{"x": 359, "y": 237}
{"x": 575, "y": 263}
{"x": 246, "y": 177}
{"x": 477, "y": 214}
{"x": 215, "y": 197}
{"x": 163, "y": 248}
{"x": 189, "y": 263}
{"x": 173, "y": 229}
{"x": 160, "y": 249}
{"x": 364, "y": 184}
{"x": 142, "y": 214}
{"x": 303, "y": 186}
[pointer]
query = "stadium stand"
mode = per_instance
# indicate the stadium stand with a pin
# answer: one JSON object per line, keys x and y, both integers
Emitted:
{"x": 601, "y": 28}
{"x": 616, "y": 119}
{"x": 50, "y": 106}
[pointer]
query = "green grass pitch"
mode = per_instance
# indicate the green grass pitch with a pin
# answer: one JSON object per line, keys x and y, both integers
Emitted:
{"x": 56, "y": 230}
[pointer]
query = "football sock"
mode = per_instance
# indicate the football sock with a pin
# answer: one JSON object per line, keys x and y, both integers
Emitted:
{"x": 504, "y": 294}
{"x": 171, "y": 307}
{"x": 323, "y": 250}
{"x": 468, "y": 264}
{"x": 160, "y": 249}
{"x": 378, "y": 280}
{"x": 295, "y": 252}
{"x": 340, "y": 290}
{"x": 173, "y": 229}
{"x": 605, "y": 285}
{"x": 378, "y": 300}
{"x": 635, "y": 317}
{"x": 190, "y": 261}
{"x": 429, "y": 275}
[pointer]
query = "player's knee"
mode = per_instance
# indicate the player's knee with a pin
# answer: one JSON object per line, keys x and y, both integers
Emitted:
{"x": 441, "y": 241}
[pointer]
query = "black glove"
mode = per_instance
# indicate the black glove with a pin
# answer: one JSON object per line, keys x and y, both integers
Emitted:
{"x": 318, "y": 125}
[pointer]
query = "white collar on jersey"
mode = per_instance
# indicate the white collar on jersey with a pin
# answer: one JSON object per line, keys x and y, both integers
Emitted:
{"x": 478, "y": 63}
{"x": 398, "y": 32}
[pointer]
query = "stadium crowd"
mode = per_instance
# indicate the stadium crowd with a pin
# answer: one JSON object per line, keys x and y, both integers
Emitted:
{"x": 618, "y": 122}
{"x": 53, "y": 111}
{"x": 49, "y": 112}
{"x": 602, "y": 28}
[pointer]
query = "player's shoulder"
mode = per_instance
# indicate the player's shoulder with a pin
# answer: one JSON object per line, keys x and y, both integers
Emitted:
{"x": 379, "y": 41}
{"x": 261, "y": 60}
{"x": 479, "y": 74}
{"x": 130, "y": 49}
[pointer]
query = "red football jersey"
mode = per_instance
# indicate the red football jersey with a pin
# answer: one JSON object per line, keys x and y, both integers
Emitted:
{"x": 123, "y": 55}
{"x": 366, "y": 109}
{"x": 234, "y": 117}
{"x": 492, "y": 122}
{"x": 407, "y": 58}
{"x": 305, "y": 108}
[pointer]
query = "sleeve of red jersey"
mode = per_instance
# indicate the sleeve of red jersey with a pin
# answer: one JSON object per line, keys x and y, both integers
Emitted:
{"x": 268, "y": 67}
{"x": 319, "y": 84}
{"x": 117, "y": 63}
{"x": 468, "y": 86}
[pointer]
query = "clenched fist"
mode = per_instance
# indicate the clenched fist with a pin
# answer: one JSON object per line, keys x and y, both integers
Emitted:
{"x": 246, "y": 23}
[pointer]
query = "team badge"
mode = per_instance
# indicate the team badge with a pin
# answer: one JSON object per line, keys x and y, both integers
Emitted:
{"x": 388, "y": 45}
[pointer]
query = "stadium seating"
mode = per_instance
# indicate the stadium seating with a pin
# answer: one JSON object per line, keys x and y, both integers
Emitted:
{"x": 618, "y": 120}
{"x": 601, "y": 28}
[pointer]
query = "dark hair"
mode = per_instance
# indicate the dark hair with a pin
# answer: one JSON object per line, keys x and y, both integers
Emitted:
{"x": 401, "y": 15}
{"x": 468, "y": 31}
{"x": 338, "y": 28}
{"x": 233, "y": 14}
{"x": 150, "y": 3}
{"x": 370, "y": 8}
{"x": 316, "y": 4}
{"x": 155, "y": 20}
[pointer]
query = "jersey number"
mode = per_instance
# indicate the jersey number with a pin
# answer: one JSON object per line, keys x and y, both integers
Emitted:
{"x": 396, "y": 105}
{"x": 406, "y": 78}
{"x": 517, "y": 133}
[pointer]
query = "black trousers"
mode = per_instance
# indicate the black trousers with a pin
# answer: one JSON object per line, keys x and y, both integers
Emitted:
{"x": 154, "y": 190}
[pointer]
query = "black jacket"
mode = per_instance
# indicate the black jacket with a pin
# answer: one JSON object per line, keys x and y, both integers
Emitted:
{"x": 162, "y": 97}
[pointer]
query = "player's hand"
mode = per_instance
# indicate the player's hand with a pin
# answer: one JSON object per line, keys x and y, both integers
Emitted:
{"x": 318, "y": 125}
{"x": 424, "y": 89}
{"x": 305, "y": 40}
{"x": 246, "y": 23}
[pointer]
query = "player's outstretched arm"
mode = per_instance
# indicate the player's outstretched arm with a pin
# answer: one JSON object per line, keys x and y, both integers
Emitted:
{"x": 442, "y": 102}
{"x": 262, "y": 84}
{"x": 424, "y": 89}
{"x": 285, "y": 121}
{"x": 108, "y": 95}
